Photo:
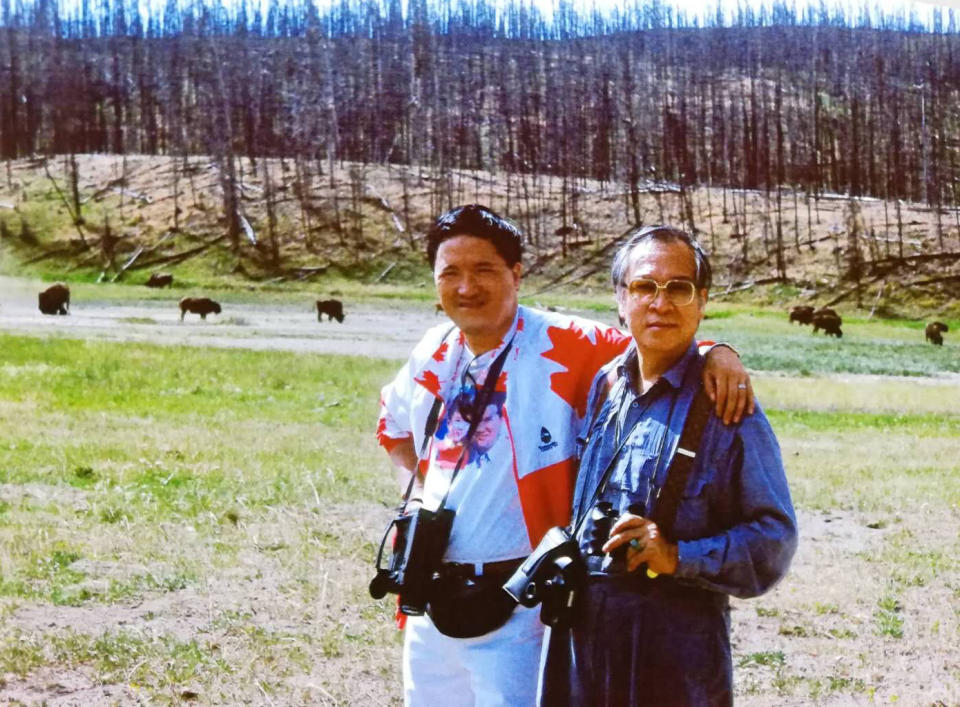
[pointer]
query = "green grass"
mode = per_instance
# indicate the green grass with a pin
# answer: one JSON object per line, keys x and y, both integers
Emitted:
{"x": 887, "y": 618}
{"x": 148, "y": 435}
{"x": 136, "y": 471}
{"x": 767, "y": 658}
{"x": 133, "y": 472}
{"x": 768, "y": 342}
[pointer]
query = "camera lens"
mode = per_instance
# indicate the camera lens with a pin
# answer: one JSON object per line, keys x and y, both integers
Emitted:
{"x": 530, "y": 593}
{"x": 598, "y": 528}
{"x": 382, "y": 583}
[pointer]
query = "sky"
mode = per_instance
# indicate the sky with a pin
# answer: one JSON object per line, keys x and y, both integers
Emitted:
{"x": 707, "y": 8}
{"x": 702, "y": 9}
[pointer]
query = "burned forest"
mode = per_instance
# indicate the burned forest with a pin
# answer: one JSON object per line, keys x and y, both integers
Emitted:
{"x": 803, "y": 147}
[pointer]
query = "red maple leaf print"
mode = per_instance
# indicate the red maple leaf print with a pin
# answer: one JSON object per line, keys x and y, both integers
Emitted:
{"x": 430, "y": 381}
{"x": 582, "y": 358}
{"x": 440, "y": 354}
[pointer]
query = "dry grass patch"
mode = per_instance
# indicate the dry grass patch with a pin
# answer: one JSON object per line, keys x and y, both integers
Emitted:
{"x": 874, "y": 394}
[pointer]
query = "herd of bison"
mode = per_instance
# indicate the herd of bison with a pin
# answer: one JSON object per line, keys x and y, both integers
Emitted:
{"x": 827, "y": 319}
{"x": 56, "y": 300}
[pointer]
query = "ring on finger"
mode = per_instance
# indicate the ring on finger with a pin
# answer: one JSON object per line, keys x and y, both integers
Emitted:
{"x": 741, "y": 386}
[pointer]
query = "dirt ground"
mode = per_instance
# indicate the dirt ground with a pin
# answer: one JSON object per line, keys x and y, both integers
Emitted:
{"x": 834, "y": 660}
{"x": 367, "y": 330}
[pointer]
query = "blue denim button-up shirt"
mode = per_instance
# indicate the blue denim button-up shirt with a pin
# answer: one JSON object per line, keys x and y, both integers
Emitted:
{"x": 735, "y": 528}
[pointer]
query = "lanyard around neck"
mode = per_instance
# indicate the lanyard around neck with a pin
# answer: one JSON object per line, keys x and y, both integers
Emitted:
{"x": 479, "y": 406}
{"x": 583, "y": 513}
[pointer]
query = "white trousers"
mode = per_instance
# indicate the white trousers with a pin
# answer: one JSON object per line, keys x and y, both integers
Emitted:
{"x": 498, "y": 669}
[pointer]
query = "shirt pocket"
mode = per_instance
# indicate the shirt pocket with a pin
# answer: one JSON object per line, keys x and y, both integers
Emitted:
{"x": 631, "y": 478}
{"x": 694, "y": 512}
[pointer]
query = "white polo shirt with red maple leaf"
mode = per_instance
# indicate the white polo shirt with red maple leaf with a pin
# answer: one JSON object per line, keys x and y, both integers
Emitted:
{"x": 517, "y": 477}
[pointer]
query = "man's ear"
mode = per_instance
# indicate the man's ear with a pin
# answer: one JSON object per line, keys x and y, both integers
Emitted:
{"x": 619, "y": 297}
{"x": 517, "y": 274}
{"x": 703, "y": 295}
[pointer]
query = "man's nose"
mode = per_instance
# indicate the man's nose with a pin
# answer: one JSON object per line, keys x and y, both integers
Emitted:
{"x": 467, "y": 283}
{"x": 660, "y": 300}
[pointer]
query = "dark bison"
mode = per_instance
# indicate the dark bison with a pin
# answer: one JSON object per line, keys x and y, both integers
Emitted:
{"x": 198, "y": 305}
{"x": 160, "y": 279}
{"x": 827, "y": 310}
{"x": 934, "y": 331}
{"x": 333, "y": 308}
{"x": 830, "y": 323}
{"x": 803, "y": 314}
{"x": 55, "y": 299}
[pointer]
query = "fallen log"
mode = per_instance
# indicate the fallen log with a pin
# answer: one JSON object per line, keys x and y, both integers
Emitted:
{"x": 125, "y": 266}
{"x": 307, "y": 273}
{"x": 180, "y": 257}
{"x": 934, "y": 281}
{"x": 742, "y": 286}
{"x": 382, "y": 275}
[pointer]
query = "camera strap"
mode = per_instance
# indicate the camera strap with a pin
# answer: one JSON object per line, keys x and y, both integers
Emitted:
{"x": 668, "y": 497}
{"x": 479, "y": 406}
{"x": 668, "y": 500}
{"x": 584, "y": 511}
{"x": 428, "y": 431}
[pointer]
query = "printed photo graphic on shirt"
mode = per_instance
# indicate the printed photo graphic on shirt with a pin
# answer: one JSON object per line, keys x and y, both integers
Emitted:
{"x": 455, "y": 425}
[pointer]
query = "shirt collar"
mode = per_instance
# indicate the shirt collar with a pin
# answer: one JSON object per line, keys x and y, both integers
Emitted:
{"x": 629, "y": 369}
{"x": 488, "y": 357}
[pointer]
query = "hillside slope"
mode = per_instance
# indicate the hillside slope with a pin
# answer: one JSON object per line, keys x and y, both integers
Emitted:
{"x": 130, "y": 216}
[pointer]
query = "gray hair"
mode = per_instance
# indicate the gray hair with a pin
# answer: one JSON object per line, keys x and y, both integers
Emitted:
{"x": 664, "y": 234}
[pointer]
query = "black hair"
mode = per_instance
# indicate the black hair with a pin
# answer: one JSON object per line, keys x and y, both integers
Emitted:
{"x": 480, "y": 222}
{"x": 664, "y": 234}
{"x": 466, "y": 405}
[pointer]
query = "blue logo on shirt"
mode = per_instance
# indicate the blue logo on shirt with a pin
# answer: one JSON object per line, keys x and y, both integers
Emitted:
{"x": 547, "y": 440}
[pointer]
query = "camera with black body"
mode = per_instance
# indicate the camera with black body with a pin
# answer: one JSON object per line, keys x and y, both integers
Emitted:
{"x": 420, "y": 541}
{"x": 553, "y": 576}
{"x": 597, "y": 530}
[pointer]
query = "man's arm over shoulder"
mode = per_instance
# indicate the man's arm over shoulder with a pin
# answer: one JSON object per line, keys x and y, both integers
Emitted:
{"x": 757, "y": 535}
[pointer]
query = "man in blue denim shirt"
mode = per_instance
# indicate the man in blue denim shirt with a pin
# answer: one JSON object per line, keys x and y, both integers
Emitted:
{"x": 653, "y": 625}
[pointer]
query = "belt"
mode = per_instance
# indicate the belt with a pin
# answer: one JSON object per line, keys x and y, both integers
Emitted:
{"x": 664, "y": 586}
{"x": 479, "y": 569}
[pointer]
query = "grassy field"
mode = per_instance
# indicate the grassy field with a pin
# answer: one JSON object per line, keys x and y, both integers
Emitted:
{"x": 241, "y": 491}
{"x": 195, "y": 525}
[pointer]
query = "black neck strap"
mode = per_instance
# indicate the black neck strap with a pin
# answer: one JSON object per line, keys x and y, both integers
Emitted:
{"x": 584, "y": 511}
{"x": 428, "y": 431}
{"x": 480, "y": 405}
{"x": 668, "y": 501}
{"x": 668, "y": 498}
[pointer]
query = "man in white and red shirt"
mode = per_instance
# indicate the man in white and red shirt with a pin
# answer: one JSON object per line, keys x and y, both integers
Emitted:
{"x": 517, "y": 471}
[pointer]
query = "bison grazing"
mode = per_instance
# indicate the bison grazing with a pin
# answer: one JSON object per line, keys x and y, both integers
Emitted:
{"x": 830, "y": 323}
{"x": 198, "y": 305}
{"x": 802, "y": 314}
{"x": 934, "y": 331}
{"x": 160, "y": 279}
{"x": 55, "y": 299}
{"x": 333, "y": 308}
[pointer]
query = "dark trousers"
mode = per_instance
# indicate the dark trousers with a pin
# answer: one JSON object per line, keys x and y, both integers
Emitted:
{"x": 641, "y": 642}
